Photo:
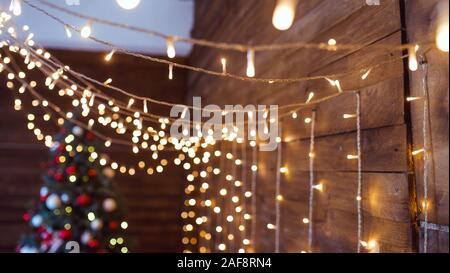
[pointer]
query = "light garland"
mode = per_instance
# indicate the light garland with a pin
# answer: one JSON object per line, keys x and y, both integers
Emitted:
{"x": 219, "y": 242}
{"x": 278, "y": 196}
{"x": 250, "y": 56}
{"x": 244, "y": 239}
{"x": 217, "y": 45}
{"x": 254, "y": 169}
{"x": 123, "y": 169}
{"x": 311, "y": 157}
{"x": 426, "y": 150}
{"x": 359, "y": 179}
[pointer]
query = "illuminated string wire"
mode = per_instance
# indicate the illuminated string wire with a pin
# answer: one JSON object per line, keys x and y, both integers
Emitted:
{"x": 151, "y": 117}
{"x": 219, "y": 45}
{"x": 311, "y": 180}
{"x": 63, "y": 115}
{"x": 359, "y": 190}
{"x": 426, "y": 150}
{"x": 253, "y": 200}
{"x": 107, "y": 159}
{"x": 233, "y": 193}
{"x": 243, "y": 191}
{"x": 219, "y": 222}
{"x": 277, "y": 196}
{"x": 203, "y": 70}
{"x": 298, "y": 105}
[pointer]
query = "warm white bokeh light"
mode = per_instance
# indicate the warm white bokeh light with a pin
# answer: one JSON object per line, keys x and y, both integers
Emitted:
{"x": 128, "y": 4}
{"x": 284, "y": 14}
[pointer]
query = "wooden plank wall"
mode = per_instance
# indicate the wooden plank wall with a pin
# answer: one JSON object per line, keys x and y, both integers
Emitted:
{"x": 389, "y": 194}
{"x": 153, "y": 215}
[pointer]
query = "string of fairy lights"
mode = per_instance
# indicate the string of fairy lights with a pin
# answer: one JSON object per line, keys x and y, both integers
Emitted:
{"x": 227, "y": 204}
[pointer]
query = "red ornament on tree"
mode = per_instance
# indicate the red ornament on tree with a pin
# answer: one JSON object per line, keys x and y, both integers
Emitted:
{"x": 92, "y": 173}
{"x": 93, "y": 243}
{"x": 113, "y": 225}
{"x": 26, "y": 217}
{"x": 43, "y": 198}
{"x": 65, "y": 234}
{"x": 90, "y": 136}
{"x": 71, "y": 170}
{"x": 46, "y": 236}
{"x": 58, "y": 177}
{"x": 83, "y": 199}
{"x": 61, "y": 147}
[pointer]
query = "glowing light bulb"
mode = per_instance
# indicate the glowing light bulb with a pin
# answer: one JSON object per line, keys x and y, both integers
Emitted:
{"x": 347, "y": 116}
{"x": 170, "y": 71}
{"x": 171, "y": 53}
{"x": 332, "y": 43}
{"x": 318, "y": 187}
{"x": 416, "y": 152}
{"x": 442, "y": 34}
{"x": 68, "y": 32}
{"x": 412, "y": 59}
{"x": 284, "y": 14}
{"x": 271, "y": 226}
{"x": 305, "y": 221}
{"x": 250, "y": 63}
{"x": 128, "y": 4}
{"x": 109, "y": 56}
{"x": 86, "y": 30}
{"x": 130, "y": 102}
{"x": 310, "y": 97}
{"x": 365, "y": 75}
{"x": 223, "y": 61}
{"x": 413, "y": 98}
{"x": 15, "y": 7}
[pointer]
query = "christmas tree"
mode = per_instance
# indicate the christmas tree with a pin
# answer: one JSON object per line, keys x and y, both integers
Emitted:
{"x": 79, "y": 208}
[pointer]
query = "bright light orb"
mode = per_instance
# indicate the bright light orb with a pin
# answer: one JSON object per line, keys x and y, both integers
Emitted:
{"x": 284, "y": 14}
{"x": 128, "y": 4}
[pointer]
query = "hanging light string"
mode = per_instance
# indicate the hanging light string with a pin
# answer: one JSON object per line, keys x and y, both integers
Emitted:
{"x": 104, "y": 159}
{"x": 311, "y": 157}
{"x": 219, "y": 206}
{"x": 208, "y": 212}
{"x": 56, "y": 109}
{"x": 278, "y": 196}
{"x": 298, "y": 105}
{"x": 64, "y": 115}
{"x": 211, "y": 72}
{"x": 53, "y": 65}
{"x": 212, "y": 44}
{"x": 243, "y": 197}
{"x": 254, "y": 169}
{"x": 427, "y": 159}
{"x": 234, "y": 223}
{"x": 359, "y": 190}
{"x": 151, "y": 117}
{"x": 97, "y": 93}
